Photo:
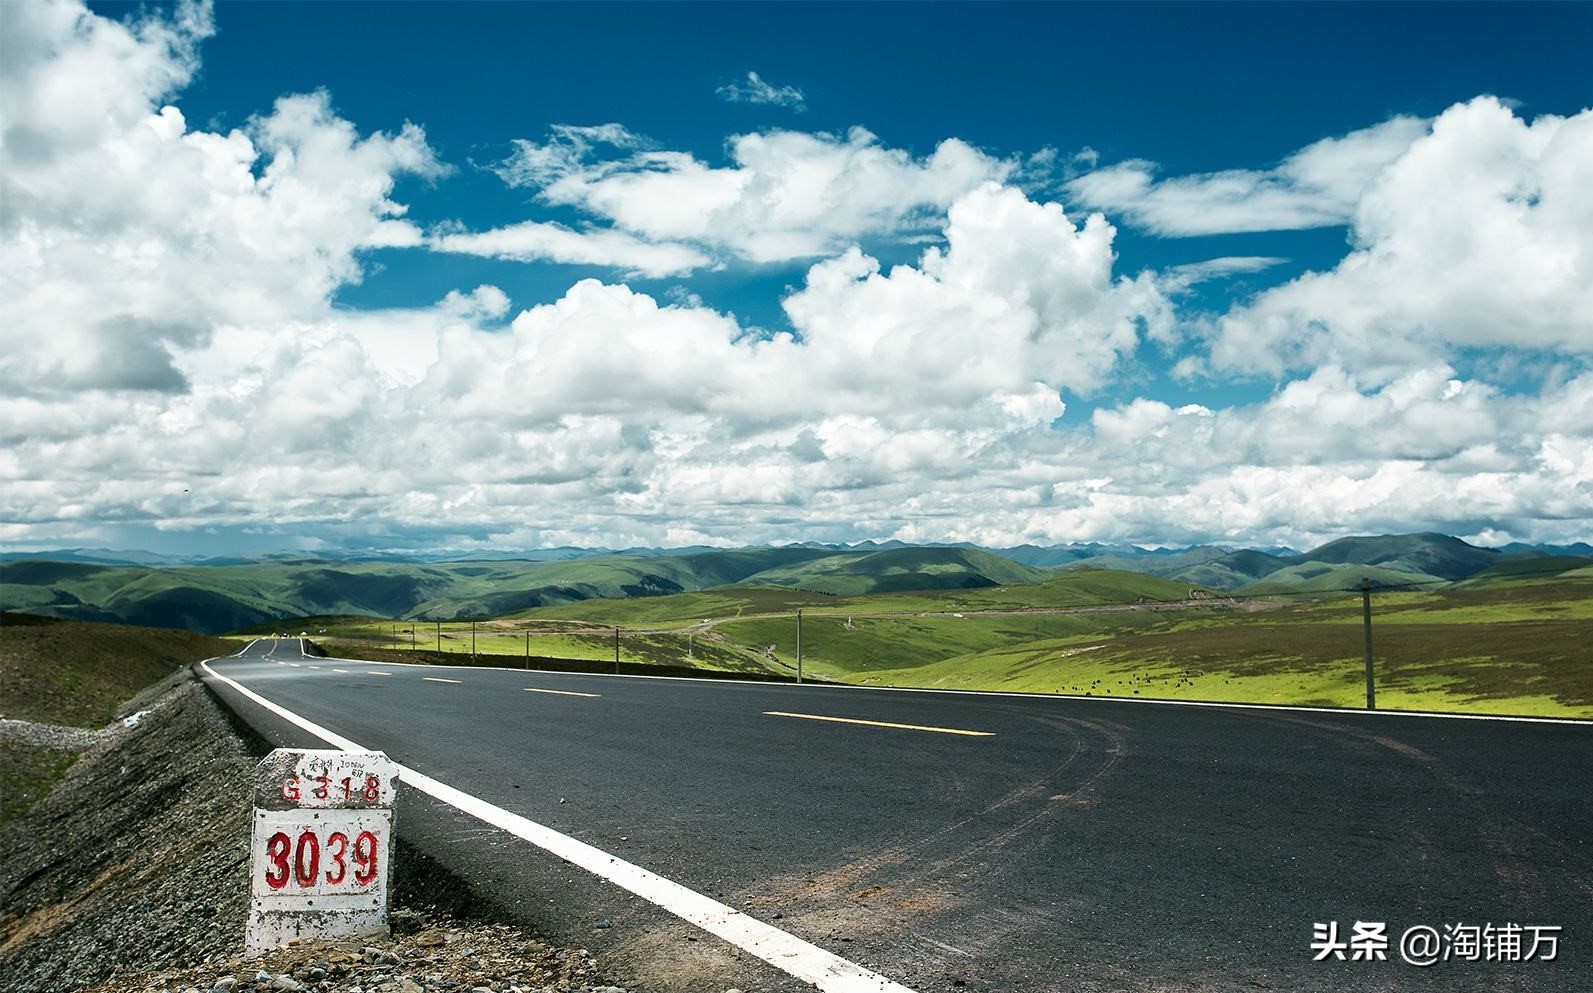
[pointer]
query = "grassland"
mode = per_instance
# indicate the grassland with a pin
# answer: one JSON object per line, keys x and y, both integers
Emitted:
{"x": 61, "y": 672}
{"x": 1511, "y": 649}
{"x": 509, "y": 639}
{"x": 1517, "y": 646}
{"x": 753, "y": 629}
{"x": 214, "y": 598}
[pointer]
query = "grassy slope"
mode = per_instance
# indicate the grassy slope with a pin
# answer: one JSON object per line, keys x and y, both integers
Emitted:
{"x": 1514, "y": 646}
{"x": 1318, "y": 577}
{"x": 1511, "y": 649}
{"x": 899, "y": 569}
{"x": 748, "y": 619}
{"x": 63, "y": 672}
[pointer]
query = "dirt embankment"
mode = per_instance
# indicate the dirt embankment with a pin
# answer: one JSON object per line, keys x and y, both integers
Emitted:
{"x": 131, "y": 875}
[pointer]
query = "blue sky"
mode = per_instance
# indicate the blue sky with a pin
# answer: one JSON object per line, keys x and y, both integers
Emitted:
{"x": 1199, "y": 132}
{"x": 1192, "y": 87}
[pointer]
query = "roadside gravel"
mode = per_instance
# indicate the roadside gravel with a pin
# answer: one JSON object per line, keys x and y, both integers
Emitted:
{"x": 131, "y": 877}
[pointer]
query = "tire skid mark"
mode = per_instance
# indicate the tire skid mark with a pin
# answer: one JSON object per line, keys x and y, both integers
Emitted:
{"x": 901, "y": 888}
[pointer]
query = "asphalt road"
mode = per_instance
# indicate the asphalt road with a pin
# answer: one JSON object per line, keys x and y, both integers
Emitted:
{"x": 1075, "y": 845}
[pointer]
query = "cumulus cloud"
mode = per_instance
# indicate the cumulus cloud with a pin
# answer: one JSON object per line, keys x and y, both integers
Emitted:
{"x": 1317, "y": 186}
{"x": 785, "y": 194}
{"x": 127, "y": 235}
{"x": 1480, "y": 235}
{"x": 172, "y": 357}
{"x": 754, "y": 89}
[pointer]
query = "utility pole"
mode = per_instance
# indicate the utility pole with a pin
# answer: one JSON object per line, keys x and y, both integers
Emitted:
{"x": 799, "y": 644}
{"x": 1366, "y": 624}
{"x": 616, "y": 650}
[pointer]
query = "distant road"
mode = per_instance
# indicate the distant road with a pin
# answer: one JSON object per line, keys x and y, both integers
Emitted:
{"x": 981, "y": 842}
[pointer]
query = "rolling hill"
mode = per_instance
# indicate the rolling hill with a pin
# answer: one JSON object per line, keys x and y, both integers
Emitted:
{"x": 234, "y": 597}
{"x": 227, "y": 596}
{"x": 897, "y": 570}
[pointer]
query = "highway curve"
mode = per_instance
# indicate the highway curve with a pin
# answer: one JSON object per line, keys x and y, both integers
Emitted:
{"x": 1073, "y": 844}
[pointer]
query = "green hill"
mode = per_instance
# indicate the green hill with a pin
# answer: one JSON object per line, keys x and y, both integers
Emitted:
{"x": 1319, "y": 577}
{"x": 1436, "y": 555}
{"x": 1528, "y": 568}
{"x": 233, "y": 597}
{"x": 900, "y": 569}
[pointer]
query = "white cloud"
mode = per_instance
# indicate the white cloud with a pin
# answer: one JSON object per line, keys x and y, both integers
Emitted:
{"x": 539, "y": 241}
{"x": 565, "y": 152}
{"x": 755, "y": 90}
{"x": 1317, "y": 186}
{"x": 1479, "y": 236}
{"x": 127, "y": 236}
{"x": 1219, "y": 268}
{"x": 785, "y": 195}
{"x": 919, "y": 400}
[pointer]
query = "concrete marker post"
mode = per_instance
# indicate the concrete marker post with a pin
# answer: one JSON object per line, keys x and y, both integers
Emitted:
{"x": 321, "y": 845}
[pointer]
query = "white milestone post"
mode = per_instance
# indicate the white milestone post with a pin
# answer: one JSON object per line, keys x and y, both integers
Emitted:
{"x": 322, "y": 841}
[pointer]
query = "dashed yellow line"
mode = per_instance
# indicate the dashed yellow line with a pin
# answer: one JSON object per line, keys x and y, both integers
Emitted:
{"x": 538, "y": 689}
{"x": 881, "y": 724}
{"x": 439, "y": 679}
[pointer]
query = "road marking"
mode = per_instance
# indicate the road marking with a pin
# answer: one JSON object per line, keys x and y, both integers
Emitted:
{"x": 538, "y": 689}
{"x": 295, "y": 665}
{"x": 343, "y": 671}
{"x": 376, "y": 672}
{"x": 881, "y": 724}
{"x": 1284, "y": 708}
{"x": 315, "y": 667}
{"x": 439, "y": 679}
{"x": 805, "y": 961}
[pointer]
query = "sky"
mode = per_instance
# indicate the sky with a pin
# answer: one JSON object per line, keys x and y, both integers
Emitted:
{"x": 411, "y": 276}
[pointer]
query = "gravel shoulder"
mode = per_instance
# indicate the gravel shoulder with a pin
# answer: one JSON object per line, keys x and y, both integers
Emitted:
{"x": 130, "y": 875}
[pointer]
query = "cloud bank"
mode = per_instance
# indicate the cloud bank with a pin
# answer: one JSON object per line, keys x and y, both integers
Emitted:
{"x": 172, "y": 359}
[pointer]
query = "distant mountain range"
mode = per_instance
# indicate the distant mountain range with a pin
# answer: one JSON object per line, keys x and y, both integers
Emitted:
{"x": 214, "y": 595}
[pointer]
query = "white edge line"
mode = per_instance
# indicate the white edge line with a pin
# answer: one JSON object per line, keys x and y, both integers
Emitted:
{"x": 1008, "y": 695}
{"x": 786, "y": 952}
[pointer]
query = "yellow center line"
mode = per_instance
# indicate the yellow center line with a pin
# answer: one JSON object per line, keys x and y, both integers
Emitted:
{"x": 439, "y": 679}
{"x": 881, "y": 724}
{"x": 376, "y": 672}
{"x": 538, "y": 689}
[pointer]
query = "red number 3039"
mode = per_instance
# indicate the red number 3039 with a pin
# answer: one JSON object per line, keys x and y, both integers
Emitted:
{"x": 299, "y": 862}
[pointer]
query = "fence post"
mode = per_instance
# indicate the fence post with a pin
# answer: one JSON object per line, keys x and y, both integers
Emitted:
{"x": 1366, "y": 624}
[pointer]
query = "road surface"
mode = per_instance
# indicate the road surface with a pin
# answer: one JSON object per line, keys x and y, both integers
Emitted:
{"x": 1066, "y": 844}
